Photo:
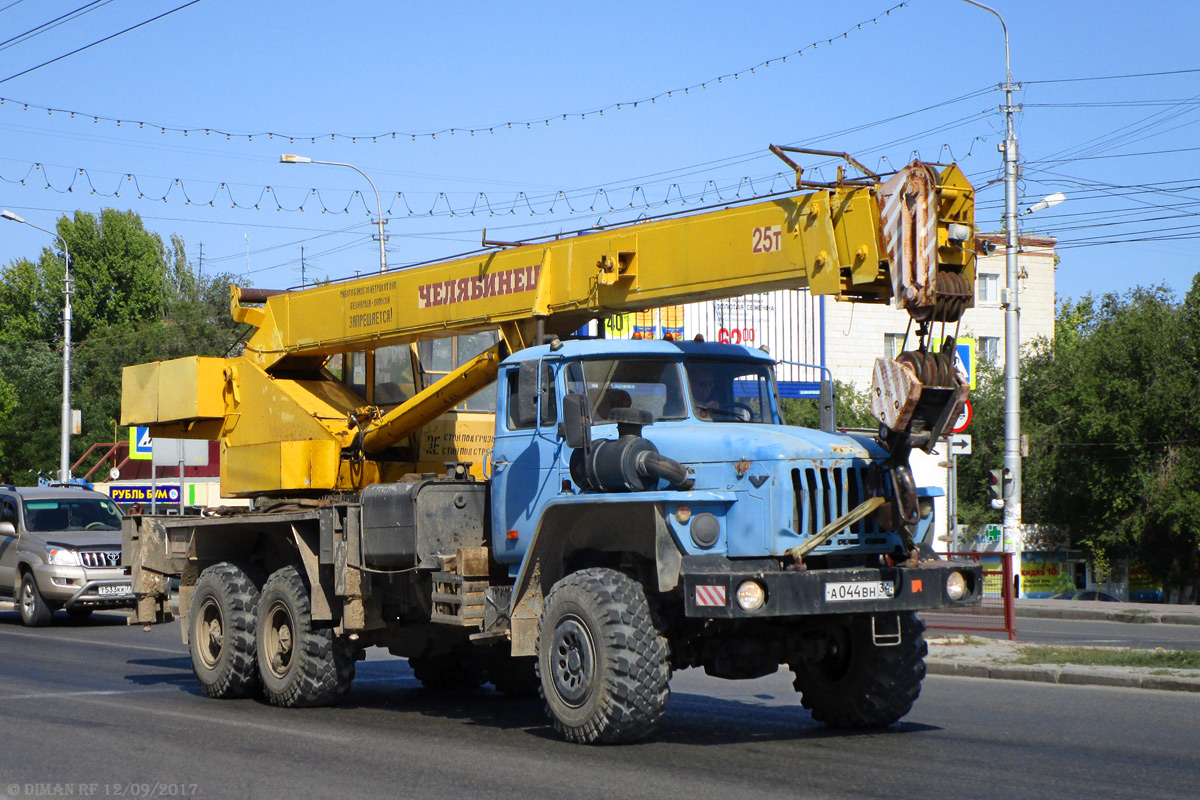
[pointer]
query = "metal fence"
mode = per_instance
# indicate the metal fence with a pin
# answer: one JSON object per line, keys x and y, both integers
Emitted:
{"x": 996, "y": 612}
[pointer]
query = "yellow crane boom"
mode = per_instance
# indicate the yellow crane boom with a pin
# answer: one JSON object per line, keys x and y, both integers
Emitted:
{"x": 288, "y": 424}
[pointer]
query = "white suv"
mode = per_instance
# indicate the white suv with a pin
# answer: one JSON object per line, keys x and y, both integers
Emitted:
{"x": 60, "y": 547}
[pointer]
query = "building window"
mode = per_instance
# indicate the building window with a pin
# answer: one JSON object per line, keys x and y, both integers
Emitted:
{"x": 893, "y": 344}
{"x": 987, "y": 287}
{"x": 989, "y": 349}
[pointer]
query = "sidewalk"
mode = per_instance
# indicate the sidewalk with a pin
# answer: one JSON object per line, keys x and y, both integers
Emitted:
{"x": 978, "y": 657}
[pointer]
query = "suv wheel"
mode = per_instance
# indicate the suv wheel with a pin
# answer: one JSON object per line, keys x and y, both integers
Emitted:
{"x": 35, "y": 611}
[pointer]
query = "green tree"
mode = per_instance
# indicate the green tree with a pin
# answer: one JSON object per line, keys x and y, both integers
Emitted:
{"x": 1110, "y": 408}
{"x": 853, "y": 409}
{"x": 136, "y": 299}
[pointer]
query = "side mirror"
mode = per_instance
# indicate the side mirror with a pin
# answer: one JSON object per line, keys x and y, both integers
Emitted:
{"x": 576, "y": 423}
{"x": 8, "y": 529}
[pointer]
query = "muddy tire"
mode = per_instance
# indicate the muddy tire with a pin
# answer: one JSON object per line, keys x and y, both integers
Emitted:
{"x": 299, "y": 664}
{"x": 857, "y": 684}
{"x": 221, "y": 632}
{"x": 602, "y": 666}
{"x": 461, "y": 668}
{"x": 35, "y": 611}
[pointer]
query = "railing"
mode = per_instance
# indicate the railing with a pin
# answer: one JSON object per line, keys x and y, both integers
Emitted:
{"x": 996, "y": 612}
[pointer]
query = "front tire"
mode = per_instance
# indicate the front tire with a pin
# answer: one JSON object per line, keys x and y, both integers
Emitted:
{"x": 221, "y": 632}
{"x": 300, "y": 665}
{"x": 858, "y": 684}
{"x": 35, "y": 611}
{"x": 602, "y": 664}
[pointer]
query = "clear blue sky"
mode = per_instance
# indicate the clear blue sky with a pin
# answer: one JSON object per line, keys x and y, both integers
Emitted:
{"x": 314, "y": 69}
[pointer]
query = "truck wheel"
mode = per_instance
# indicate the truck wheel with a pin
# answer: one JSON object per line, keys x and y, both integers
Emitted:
{"x": 35, "y": 611}
{"x": 602, "y": 664}
{"x": 299, "y": 664}
{"x": 461, "y": 668}
{"x": 221, "y": 640}
{"x": 858, "y": 684}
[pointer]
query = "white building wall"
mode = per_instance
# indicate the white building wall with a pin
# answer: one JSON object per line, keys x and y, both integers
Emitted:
{"x": 854, "y": 332}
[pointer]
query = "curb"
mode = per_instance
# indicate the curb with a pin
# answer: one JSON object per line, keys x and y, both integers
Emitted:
{"x": 1068, "y": 675}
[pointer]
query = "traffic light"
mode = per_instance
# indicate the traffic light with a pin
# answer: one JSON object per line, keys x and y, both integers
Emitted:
{"x": 996, "y": 487}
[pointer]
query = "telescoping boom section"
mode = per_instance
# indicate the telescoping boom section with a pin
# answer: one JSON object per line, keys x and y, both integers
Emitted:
{"x": 294, "y": 415}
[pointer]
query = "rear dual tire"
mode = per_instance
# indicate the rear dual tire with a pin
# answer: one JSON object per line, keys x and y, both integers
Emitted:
{"x": 245, "y": 641}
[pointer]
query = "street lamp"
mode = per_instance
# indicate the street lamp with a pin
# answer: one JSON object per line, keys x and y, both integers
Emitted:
{"x": 1012, "y": 338}
{"x": 64, "y": 456}
{"x": 287, "y": 158}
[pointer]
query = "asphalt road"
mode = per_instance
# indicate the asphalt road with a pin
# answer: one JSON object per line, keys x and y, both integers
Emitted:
{"x": 1086, "y": 633}
{"x": 109, "y": 709}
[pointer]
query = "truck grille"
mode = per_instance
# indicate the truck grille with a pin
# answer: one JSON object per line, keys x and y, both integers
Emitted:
{"x": 100, "y": 558}
{"x": 824, "y": 494}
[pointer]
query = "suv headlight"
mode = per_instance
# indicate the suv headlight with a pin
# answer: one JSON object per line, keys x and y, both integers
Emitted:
{"x": 62, "y": 557}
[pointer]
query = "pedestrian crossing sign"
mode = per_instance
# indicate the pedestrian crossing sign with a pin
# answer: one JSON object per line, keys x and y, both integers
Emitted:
{"x": 141, "y": 444}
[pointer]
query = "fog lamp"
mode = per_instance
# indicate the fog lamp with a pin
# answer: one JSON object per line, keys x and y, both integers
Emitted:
{"x": 956, "y": 586}
{"x": 751, "y": 595}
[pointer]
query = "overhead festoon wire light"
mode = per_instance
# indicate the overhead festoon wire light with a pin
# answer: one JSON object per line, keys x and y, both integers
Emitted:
{"x": 528, "y": 124}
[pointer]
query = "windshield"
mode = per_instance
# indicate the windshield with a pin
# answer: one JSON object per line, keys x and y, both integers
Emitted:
{"x": 647, "y": 384}
{"x": 731, "y": 391}
{"x": 71, "y": 514}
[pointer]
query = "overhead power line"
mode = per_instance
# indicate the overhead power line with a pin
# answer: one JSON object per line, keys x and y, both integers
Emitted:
{"x": 45, "y": 27}
{"x": 1115, "y": 77}
{"x": 98, "y": 41}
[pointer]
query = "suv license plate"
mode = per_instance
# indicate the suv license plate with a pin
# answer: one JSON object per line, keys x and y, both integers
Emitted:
{"x": 114, "y": 591}
{"x": 861, "y": 590}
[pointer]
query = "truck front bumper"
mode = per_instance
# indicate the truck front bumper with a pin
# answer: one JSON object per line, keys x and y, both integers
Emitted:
{"x": 711, "y": 584}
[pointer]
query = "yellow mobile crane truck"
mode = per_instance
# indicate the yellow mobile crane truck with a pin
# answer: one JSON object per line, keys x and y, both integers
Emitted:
{"x": 634, "y": 507}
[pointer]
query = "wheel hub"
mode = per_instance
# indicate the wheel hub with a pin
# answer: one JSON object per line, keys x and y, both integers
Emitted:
{"x": 573, "y": 661}
{"x": 279, "y": 640}
{"x": 210, "y": 633}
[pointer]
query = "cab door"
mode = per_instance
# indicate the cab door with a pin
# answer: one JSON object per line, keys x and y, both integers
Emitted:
{"x": 525, "y": 465}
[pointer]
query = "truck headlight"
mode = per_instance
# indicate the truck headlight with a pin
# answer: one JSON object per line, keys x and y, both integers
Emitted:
{"x": 751, "y": 595}
{"x": 956, "y": 586}
{"x": 62, "y": 557}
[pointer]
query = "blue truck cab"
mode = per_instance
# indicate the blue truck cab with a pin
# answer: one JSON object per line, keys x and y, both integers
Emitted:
{"x": 667, "y": 466}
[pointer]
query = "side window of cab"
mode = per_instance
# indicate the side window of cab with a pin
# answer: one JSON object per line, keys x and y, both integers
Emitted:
{"x": 8, "y": 510}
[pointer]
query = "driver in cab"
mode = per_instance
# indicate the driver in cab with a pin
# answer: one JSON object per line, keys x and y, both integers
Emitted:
{"x": 702, "y": 385}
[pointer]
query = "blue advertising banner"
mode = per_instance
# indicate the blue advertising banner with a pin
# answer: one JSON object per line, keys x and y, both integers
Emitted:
{"x": 140, "y": 493}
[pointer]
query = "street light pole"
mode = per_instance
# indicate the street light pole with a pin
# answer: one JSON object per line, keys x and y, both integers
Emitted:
{"x": 64, "y": 455}
{"x": 1012, "y": 311}
{"x": 287, "y": 158}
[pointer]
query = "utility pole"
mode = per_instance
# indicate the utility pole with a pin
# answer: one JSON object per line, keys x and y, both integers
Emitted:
{"x": 1012, "y": 314}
